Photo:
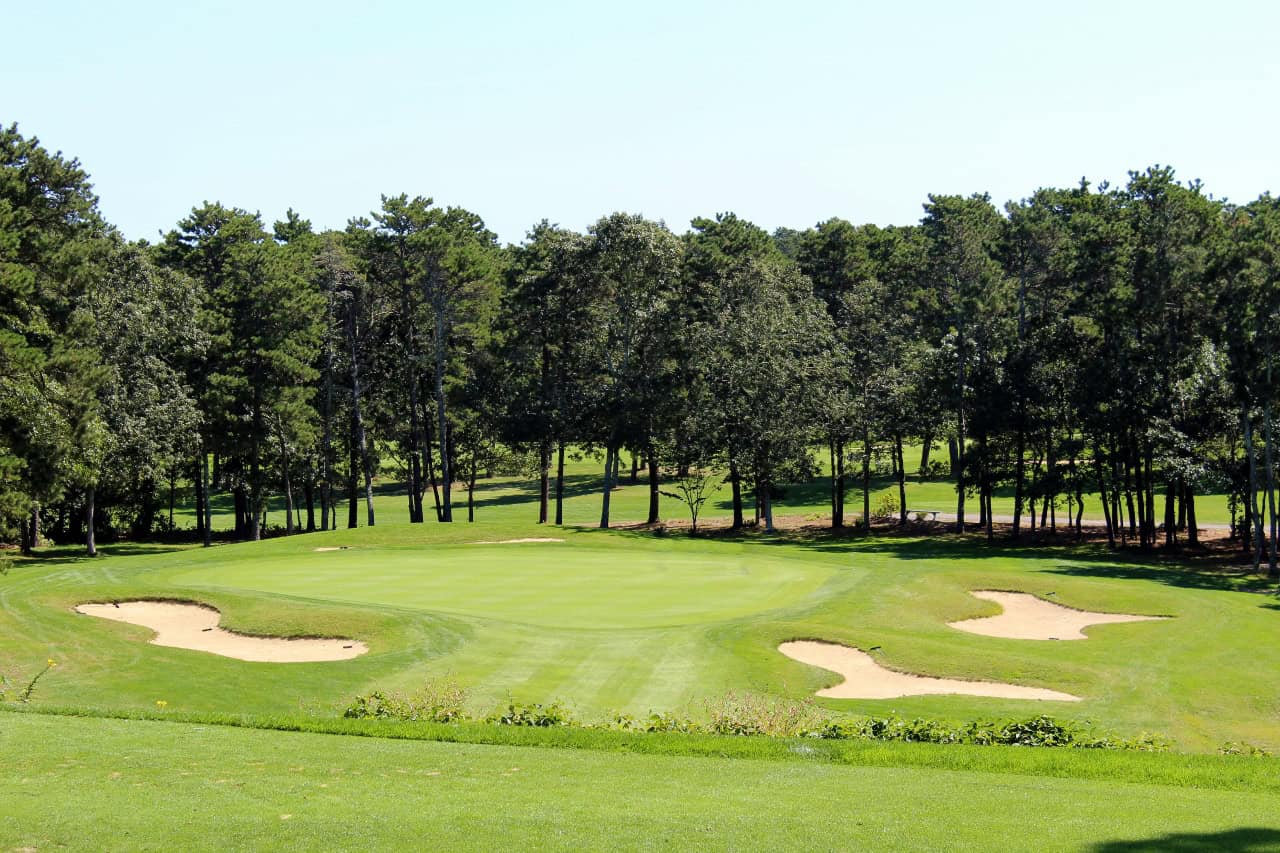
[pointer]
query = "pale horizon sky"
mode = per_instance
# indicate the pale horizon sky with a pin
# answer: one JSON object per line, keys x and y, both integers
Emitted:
{"x": 787, "y": 114}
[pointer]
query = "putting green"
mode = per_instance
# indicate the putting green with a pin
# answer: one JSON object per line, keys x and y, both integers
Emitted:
{"x": 543, "y": 584}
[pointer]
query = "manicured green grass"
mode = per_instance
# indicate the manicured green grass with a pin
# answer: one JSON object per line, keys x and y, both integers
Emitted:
{"x": 630, "y": 621}
{"x": 94, "y": 784}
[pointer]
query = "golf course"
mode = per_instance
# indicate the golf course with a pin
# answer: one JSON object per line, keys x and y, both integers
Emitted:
{"x": 627, "y": 622}
{"x": 672, "y": 426}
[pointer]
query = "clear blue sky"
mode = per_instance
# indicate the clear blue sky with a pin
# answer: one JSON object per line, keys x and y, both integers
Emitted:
{"x": 787, "y": 113}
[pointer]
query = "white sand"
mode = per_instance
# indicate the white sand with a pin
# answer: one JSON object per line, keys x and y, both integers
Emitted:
{"x": 1026, "y": 617}
{"x": 195, "y": 627}
{"x": 516, "y": 541}
{"x": 330, "y": 548}
{"x": 866, "y": 679}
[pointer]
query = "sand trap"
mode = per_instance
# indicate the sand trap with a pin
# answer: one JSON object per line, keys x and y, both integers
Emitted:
{"x": 1026, "y": 617}
{"x": 516, "y": 541}
{"x": 866, "y": 679}
{"x": 330, "y": 548}
{"x": 195, "y": 627}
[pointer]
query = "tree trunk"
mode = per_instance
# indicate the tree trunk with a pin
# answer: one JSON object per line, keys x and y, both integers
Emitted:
{"x": 544, "y": 480}
{"x": 560, "y": 483}
{"x": 902, "y": 482}
{"x": 446, "y": 504}
{"x": 256, "y": 501}
{"x": 635, "y": 467}
{"x": 866, "y": 482}
{"x": 924, "y": 455}
{"x": 837, "y": 520}
{"x": 1189, "y": 503}
{"x": 1170, "y": 514}
{"x": 288, "y": 484}
{"x": 198, "y": 476}
{"x": 654, "y": 506}
{"x": 173, "y": 488}
{"x": 415, "y": 463}
{"x": 309, "y": 494}
{"x": 735, "y": 483}
{"x": 766, "y": 499}
{"x": 1020, "y": 474}
{"x": 353, "y": 479}
{"x": 1102, "y": 494}
{"x": 609, "y": 455}
{"x": 90, "y": 544}
{"x": 353, "y": 489}
{"x": 471, "y": 492}
{"x": 204, "y": 491}
{"x": 326, "y": 426}
{"x": 1259, "y": 537}
{"x": 841, "y": 483}
{"x": 357, "y": 415}
{"x": 1273, "y": 570}
{"x": 429, "y": 463}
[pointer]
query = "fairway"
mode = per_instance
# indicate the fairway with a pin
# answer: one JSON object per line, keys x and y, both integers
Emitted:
{"x": 629, "y": 622}
{"x": 545, "y": 584}
{"x": 73, "y": 784}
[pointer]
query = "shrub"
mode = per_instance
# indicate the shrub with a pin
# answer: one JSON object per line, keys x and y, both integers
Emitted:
{"x": 1241, "y": 748}
{"x": 655, "y": 722}
{"x": 541, "y": 716}
{"x": 751, "y": 714}
{"x": 886, "y": 507}
{"x": 437, "y": 702}
{"x": 1036, "y": 731}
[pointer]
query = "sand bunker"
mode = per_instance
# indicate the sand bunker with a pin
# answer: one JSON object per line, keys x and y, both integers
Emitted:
{"x": 1026, "y": 617}
{"x": 516, "y": 541}
{"x": 866, "y": 679}
{"x": 195, "y": 627}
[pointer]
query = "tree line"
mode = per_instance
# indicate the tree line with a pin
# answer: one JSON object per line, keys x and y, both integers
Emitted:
{"x": 1107, "y": 340}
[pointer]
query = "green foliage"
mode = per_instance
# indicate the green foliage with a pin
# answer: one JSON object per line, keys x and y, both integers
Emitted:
{"x": 1245, "y": 749}
{"x": 437, "y": 702}
{"x": 1042, "y": 730}
{"x": 533, "y": 714}
{"x": 754, "y": 714}
{"x": 886, "y": 507}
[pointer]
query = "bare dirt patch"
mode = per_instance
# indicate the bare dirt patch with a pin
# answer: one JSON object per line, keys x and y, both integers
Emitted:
{"x": 1027, "y": 617}
{"x": 517, "y": 541}
{"x": 866, "y": 679}
{"x": 195, "y": 626}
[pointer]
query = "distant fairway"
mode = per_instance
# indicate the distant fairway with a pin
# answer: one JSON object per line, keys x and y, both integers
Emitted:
{"x": 547, "y": 584}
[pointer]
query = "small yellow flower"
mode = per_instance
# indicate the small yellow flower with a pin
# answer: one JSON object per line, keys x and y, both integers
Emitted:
{"x": 161, "y": 704}
{"x": 51, "y": 663}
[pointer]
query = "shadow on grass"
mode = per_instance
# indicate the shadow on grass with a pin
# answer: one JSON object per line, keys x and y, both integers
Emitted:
{"x": 1086, "y": 559}
{"x": 66, "y": 554}
{"x": 1243, "y": 580}
{"x": 1244, "y": 840}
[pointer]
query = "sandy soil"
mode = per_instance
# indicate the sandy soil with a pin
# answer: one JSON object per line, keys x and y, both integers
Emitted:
{"x": 195, "y": 627}
{"x": 1027, "y": 617}
{"x": 330, "y": 548}
{"x": 516, "y": 541}
{"x": 866, "y": 679}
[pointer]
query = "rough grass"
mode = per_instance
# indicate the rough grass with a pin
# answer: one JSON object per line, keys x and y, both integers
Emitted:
{"x": 96, "y": 784}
